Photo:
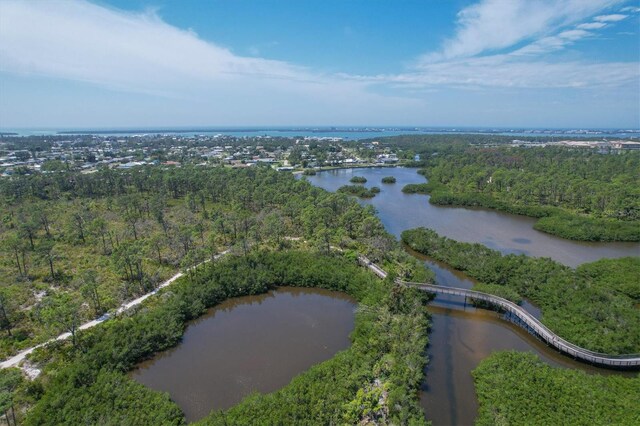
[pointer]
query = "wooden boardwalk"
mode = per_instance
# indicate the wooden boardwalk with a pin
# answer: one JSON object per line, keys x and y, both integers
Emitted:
{"x": 525, "y": 320}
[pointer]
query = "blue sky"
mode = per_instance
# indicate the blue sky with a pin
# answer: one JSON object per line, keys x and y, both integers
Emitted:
{"x": 161, "y": 63}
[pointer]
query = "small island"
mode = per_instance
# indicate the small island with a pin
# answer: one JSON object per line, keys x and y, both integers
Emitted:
{"x": 417, "y": 188}
{"x": 359, "y": 191}
{"x": 388, "y": 179}
{"x": 358, "y": 179}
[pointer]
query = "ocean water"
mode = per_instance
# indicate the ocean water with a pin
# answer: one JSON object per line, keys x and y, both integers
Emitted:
{"x": 346, "y": 133}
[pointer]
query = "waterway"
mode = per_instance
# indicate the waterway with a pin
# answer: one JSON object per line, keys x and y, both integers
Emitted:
{"x": 253, "y": 343}
{"x": 505, "y": 232}
{"x": 462, "y": 335}
{"x": 345, "y": 133}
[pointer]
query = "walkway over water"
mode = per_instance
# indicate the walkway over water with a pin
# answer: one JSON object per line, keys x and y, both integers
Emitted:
{"x": 524, "y": 319}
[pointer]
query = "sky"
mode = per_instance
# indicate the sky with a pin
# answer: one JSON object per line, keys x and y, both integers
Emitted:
{"x": 450, "y": 63}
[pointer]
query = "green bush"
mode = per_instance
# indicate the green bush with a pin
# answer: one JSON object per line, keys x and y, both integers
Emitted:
{"x": 417, "y": 188}
{"x": 580, "y": 194}
{"x": 358, "y": 191}
{"x": 517, "y": 388}
{"x": 358, "y": 179}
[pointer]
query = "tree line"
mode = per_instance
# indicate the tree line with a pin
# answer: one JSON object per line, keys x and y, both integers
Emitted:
{"x": 578, "y": 194}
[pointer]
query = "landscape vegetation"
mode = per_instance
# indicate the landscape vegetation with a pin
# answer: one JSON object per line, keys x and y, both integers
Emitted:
{"x": 371, "y": 213}
{"x": 90, "y": 385}
{"x": 160, "y": 220}
{"x": 78, "y": 245}
{"x": 519, "y": 389}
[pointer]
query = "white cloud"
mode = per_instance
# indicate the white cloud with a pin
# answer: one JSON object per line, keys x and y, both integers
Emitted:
{"x": 82, "y": 41}
{"x": 139, "y": 53}
{"x": 552, "y": 43}
{"x": 469, "y": 59}
{"x": 573, "y": 34}
{"x": 630, "y": 9}
{"x": 591, "y": 26}
{"x": 610, "y": 18}
{"x": 498, "y": 24}
{"x": 505, "y": 71}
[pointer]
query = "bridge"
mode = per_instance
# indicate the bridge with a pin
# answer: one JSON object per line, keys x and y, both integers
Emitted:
{"x": 522, "y": 318}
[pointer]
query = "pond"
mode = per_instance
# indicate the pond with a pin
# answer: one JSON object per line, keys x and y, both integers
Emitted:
{"x": 253, "y": 343}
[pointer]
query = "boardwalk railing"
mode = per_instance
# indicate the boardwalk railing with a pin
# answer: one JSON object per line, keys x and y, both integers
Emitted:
{"x": 523, "y": 319}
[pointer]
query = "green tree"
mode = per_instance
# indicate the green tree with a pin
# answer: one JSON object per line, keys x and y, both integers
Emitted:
{"x": 89, "y": 286}
{"x": 17, "y": 249}
{"x": 48, "y": 252}
{"x": 273, "y": 226}
{"x": 62, "y": 311}
{"x": 10, "y": 380}
{"x": 28, "y": 228}
{"x": 7, "y": 310}
{"x": 99, "y": 229}
{"x": 128, "y": 258}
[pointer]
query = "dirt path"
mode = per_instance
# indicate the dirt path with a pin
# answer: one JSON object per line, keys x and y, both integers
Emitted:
{"x": 15, "y": 360}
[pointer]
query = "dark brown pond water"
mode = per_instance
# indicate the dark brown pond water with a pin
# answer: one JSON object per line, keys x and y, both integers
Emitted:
{"x": 253, "y": 343}
{"x": 461, "y": 335}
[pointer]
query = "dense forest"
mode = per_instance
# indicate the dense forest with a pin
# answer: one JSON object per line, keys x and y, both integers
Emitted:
{"x": 579, "y": 194}
{"x": 376, "y": 379}
{"x": 78, "y": 245}
{"x": 593, "y": 306}
{"x": 518, "y": 389}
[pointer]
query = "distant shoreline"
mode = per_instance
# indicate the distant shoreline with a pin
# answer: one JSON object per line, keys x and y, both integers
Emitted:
{"x": 417, "y": 130}
{"x": 346, "y": 133}
{"x": 243, "y": 130}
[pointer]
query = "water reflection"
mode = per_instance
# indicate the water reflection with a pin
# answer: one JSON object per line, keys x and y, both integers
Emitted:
{"x": 461, "y": 338}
